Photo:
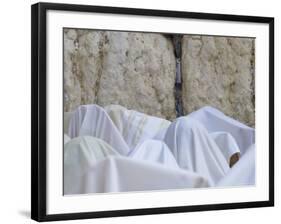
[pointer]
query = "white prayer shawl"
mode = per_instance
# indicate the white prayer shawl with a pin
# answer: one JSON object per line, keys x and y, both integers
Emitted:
{"x": 92, "y": 166}
{"x": 195, "y": 150}
{"x": 80, "y": 154}
{"x": 136, "y": 127}
{"x": 227, "y": 144}
{"x": 92, "y": 120}
{"x": 158, "y": 151}
{"x": 216, "y": 121}
{"x": 243, "y": 172}
{"x": 154, "y": 151}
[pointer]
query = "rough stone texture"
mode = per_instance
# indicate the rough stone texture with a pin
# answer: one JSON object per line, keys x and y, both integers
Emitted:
{"x": 135, "y": 70}
{"x": 219, "y": 72}
{"x": 83, "y": 57}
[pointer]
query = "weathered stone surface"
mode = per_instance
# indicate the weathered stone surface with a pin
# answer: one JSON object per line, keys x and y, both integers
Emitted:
{"x": 219, "y": 72}
{"x": 71, "y": 85}
{"x": 135, "y": 70}
{"x": 82, "y": 66}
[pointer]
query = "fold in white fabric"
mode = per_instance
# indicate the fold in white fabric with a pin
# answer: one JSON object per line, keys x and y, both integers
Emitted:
{"x": 216, "y": 121}
{"x": 243, "y": 172}
{"x": 195, "y": 150}
{"x": 114, "y": 174}
{"x": 115, "y": 149}
{"x": 226, "y": 144}
{"x": 80, "y": 154}
{"x": 136, "y": 127}
{"x": 92, "y": 166}
{"x": 154, "y": 151}
{"x": 92, "y": 120}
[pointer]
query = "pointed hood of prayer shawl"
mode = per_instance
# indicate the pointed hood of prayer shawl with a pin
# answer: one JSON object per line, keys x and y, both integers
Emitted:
{"x": 82, "y": 153}
{"x": 93, "y": 120}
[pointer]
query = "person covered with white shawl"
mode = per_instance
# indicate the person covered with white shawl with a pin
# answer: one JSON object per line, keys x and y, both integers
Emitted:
{"x": 150, "y": 153}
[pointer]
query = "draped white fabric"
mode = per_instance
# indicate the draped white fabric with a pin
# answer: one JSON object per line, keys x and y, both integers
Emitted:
{"x": 92, "y": 120}
{"x": 114, "y": 149}
{"x": 242, "y": 173}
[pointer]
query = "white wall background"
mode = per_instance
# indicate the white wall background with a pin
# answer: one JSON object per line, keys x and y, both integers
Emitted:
{"x": 15, "y": 110}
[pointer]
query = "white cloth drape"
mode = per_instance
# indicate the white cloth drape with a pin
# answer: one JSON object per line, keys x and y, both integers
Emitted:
{"x": 93, "y": 120}
{"x": 114, "y": 149}
{"x": 195, "y": 150}
{"x": 92, "y": 166}
{"x": 243, "y": 172}
{"x": 215, "y": 121}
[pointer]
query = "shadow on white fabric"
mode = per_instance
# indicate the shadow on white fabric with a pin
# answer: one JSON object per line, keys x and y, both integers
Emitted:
{"x": 114, "y": 149}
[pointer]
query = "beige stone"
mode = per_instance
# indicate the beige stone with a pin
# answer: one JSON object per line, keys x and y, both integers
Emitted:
{"x": 83, "y": 57}
{"x": 71, "y": 85}
{"x": 135, "y": 70}
{"x": 138, "y": 73}
{"x": 219, "y": 72}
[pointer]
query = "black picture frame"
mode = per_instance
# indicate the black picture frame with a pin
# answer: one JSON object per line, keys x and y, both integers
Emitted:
{"x": 39, "y": 108}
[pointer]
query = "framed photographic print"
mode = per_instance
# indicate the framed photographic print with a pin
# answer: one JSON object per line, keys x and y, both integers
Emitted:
{"x": 140, "y": 111}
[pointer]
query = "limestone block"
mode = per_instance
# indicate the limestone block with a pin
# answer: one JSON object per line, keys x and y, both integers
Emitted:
{"x": 82, "y": 66}
{"x": 219, "y": 71}
{"x": 138, "y": 73}
{"x": 134, "y": 70}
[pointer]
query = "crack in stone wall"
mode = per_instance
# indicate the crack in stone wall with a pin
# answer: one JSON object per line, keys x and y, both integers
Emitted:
{"x": 129, "y": 69}
{"x": 158, "y": 74}
{"x": 178, "y": 81}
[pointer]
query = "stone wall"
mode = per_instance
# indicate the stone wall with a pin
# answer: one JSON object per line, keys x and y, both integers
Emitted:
{"x": 137, "y": 70}
{"x": 219, "y": 71}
